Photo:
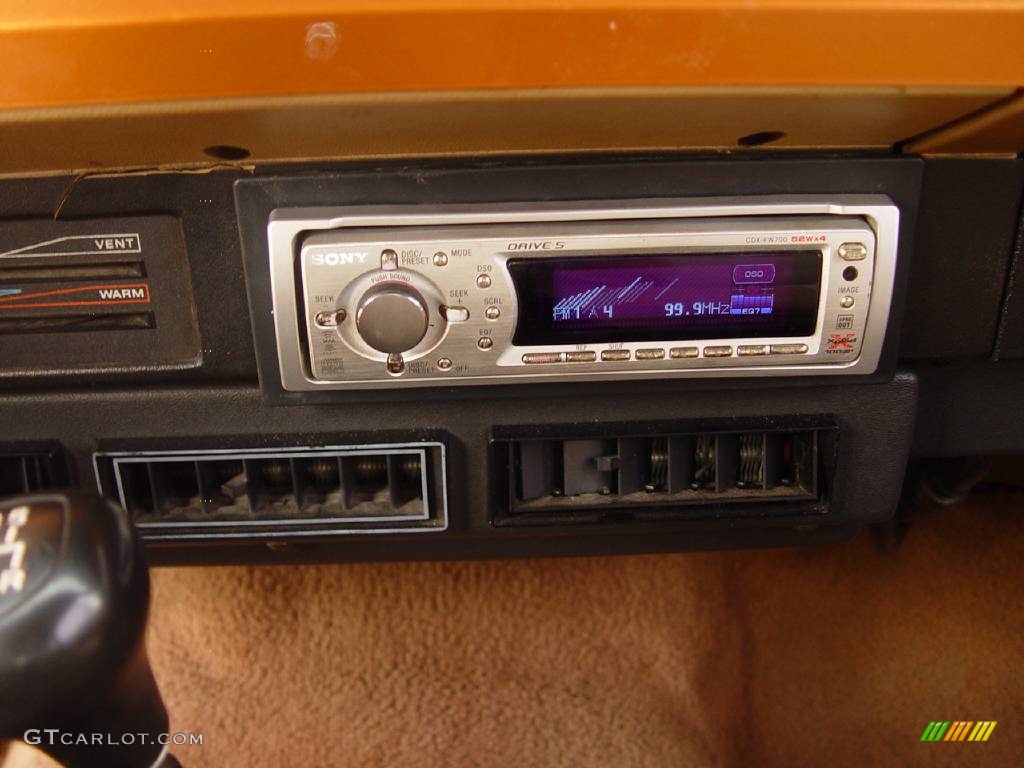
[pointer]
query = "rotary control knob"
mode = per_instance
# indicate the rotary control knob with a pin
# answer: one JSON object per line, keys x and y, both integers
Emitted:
{"x": 392, "y": 318}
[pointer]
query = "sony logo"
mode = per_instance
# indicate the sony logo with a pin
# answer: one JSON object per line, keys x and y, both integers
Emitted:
{"x": 537, "y": 245}
{"x": 334, "y": 259}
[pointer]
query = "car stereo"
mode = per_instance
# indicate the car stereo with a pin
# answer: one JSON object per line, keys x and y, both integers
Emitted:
{"x": 417, "y": 296}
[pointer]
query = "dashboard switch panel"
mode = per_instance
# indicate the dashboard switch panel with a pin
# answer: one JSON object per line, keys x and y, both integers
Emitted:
{"x": 96, "y": 295}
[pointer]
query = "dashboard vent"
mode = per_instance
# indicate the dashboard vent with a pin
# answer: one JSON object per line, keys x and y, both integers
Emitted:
{"x": 279, "y": 493}
{"x": 664, "y": 475}
{"x": 31, "y": 471}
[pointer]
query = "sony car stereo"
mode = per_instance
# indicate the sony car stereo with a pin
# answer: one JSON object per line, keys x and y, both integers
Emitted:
{"x": 417, "y": 296}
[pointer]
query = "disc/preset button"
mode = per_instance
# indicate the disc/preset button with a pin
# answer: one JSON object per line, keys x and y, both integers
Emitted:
{"x": 388, "y": 260}
{"x": 392, "y": 318}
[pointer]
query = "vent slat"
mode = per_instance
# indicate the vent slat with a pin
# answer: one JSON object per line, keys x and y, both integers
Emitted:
{"x": 680, "y": 463}
{"x": 26, "y": 482}
{"x": 253, "y": 485}
{"x": 345, "y": 479}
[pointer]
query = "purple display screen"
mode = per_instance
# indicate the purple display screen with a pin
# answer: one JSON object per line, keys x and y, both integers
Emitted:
{"x": 663, "y": 297}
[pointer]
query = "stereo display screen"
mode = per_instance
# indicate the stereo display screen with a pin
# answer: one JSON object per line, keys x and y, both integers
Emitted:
{"x": 665, "y": 297}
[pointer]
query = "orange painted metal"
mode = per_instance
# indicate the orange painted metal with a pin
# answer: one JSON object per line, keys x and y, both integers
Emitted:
{"x": 70, "y": 52}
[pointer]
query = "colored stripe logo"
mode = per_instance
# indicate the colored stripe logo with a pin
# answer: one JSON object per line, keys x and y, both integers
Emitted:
{"x": 958, "y": 730}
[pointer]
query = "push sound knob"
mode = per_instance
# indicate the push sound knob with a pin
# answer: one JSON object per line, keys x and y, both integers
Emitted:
{"x": 392, "y": 318}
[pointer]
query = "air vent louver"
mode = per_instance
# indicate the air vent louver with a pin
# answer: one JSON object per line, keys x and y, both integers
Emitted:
{"x": 31, "y": 471}
{"x": 668, "y": 475}
{"x": 279, "y": 493}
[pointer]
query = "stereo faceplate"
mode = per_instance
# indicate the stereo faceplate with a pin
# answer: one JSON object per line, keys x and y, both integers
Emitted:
{"x": 425, "y": 297}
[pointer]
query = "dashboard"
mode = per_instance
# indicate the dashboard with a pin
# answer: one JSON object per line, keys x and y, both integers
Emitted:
{"x": 459, "y": 358}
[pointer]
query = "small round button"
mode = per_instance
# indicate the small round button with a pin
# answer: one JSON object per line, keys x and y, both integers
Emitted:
{"x": 392, "y": 318}
{"x": 440, "y": 259}
{"x": 483, "y": 281}
{"x": 846, "y": 302}
{"x": 444, "y": 363}
{"x": 492, "y": 313}
{"x": 485, "y": 342}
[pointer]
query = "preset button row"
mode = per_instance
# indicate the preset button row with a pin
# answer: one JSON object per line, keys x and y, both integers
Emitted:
{"x": 658, "y": 353}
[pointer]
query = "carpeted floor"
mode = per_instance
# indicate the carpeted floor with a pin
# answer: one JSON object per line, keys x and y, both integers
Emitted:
{"x": 836, "y": 656}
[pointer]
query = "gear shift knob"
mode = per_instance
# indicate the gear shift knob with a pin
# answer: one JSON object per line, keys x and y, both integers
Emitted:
{"x": 74, "y": 592}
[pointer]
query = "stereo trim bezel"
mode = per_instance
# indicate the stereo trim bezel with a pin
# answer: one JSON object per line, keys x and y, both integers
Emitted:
{"x": 287, "y": 225}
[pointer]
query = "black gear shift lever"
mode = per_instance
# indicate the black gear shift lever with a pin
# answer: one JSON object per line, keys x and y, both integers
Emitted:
{"x": 74, "y": 592}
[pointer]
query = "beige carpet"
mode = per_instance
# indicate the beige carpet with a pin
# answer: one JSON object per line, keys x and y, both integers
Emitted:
{"x": 836, "y": 656}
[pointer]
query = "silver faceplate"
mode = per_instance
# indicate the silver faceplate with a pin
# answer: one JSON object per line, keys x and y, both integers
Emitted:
{"x": 318, "y": 254}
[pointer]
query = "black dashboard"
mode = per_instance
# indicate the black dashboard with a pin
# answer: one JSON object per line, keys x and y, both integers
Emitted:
{"x": 149, "y": 365}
